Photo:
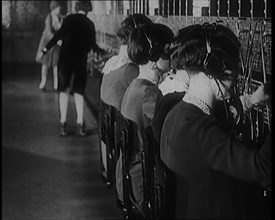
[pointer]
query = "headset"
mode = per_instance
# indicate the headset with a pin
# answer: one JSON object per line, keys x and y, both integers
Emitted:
{"x": 150, "y": 44}
{"x": 212, "y": 65}
{"x": 135, "y": 24}
{"x": 214, "y": 68}
{"x": 152, "y": 55}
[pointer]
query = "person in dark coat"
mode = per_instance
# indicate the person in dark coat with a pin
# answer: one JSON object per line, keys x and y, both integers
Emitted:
{"x": 78, "y": 36}
{"x": 207, "y": 161}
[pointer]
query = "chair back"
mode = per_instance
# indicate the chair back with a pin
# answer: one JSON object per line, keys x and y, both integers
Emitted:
{"x": 127, "y": 130}
{"x": 156, "y": 177}
{"x": 107, "y": 131}
{"x": 149, "y": 173}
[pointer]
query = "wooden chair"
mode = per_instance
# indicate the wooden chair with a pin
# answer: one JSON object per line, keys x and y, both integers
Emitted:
{"x": 148, "y": 166}
{"x": 156, "y": 179}
{"x": 106, "y": 134}
{"x": 127, "y": 130}
{"x": 154, "y": 193}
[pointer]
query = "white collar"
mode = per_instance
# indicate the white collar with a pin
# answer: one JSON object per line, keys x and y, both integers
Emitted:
{"x": 117, "y": 61}
{"x": 144, "y": 74}
{"x": 81, "y": 12}
{"x": 189, "y": 98}
{"x": 123, "y": 51}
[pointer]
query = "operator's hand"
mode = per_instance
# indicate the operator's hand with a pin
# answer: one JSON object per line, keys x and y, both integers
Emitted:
{"x": 261, "y": 94}
{"x": 59, "y": 43}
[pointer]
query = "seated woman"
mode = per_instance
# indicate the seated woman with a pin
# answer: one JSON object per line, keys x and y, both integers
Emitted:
{"x": 120, "y": 70}
{"x": 147, "y": 48}
{"x": 208, "y": 163}
{"x": 175, "y": 86}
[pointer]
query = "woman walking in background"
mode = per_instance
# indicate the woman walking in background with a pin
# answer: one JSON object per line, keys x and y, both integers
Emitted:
{"x": 52, "y": 24}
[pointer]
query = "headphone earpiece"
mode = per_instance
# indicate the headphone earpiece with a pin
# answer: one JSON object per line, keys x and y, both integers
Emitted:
{"x": 135, "y": 24}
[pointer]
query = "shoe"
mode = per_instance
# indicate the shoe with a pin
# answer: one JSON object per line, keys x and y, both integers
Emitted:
{"x": 63, "y": 129}
{"x": 120, "y": 204}
{"x": 105, "y": 178}
{"x": 81, "y": 130}
{"x": 43, "y": 90}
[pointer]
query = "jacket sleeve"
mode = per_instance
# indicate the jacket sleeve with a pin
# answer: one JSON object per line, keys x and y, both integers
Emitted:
{"x": 60, "y": 34}
{"x": 223, "y": 152}
{"x": 93, "y": 43}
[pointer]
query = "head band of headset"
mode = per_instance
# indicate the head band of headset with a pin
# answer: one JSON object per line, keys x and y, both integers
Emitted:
{"x": 211, "y": 63}
{"x": 150, "y": 44}
{"x": 135, "y": 24}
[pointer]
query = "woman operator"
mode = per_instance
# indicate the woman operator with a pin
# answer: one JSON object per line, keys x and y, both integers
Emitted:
{"x": 208, "y": 163}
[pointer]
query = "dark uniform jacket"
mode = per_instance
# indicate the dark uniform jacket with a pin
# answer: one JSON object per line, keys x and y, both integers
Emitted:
{"x": 208, "y": 164}
{"x": 78, "y": 38}
{"x": 165, "y": 104}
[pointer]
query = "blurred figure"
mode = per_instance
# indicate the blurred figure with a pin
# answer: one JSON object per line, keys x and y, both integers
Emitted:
{"x": 50, "y": 60}
{"x": 148, "y": 48}
{"x": 207, "y": 161}
{"x": 78, "y": 36}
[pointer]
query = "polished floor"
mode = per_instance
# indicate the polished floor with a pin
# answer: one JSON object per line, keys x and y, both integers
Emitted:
{"x": 46, "y": 176}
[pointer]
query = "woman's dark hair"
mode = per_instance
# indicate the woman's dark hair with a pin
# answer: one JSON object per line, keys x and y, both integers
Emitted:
{"x": 177, "y": 42}
{"x": 54, "y": 4}
{"x": 149, "y": 42}
{"x": 83, "y": 5}
{"x": 183, "y": 35}
{"x": 191, "y": 50}
{"x": 129, "y": 24}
